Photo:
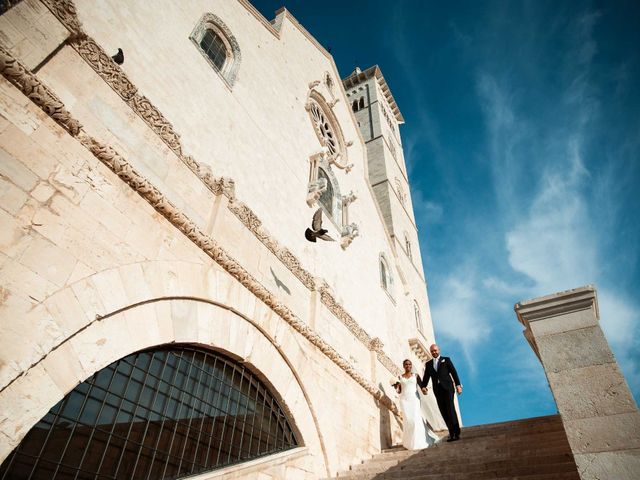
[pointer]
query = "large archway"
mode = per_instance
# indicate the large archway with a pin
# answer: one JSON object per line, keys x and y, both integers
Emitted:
{"x": 165, "y": 412}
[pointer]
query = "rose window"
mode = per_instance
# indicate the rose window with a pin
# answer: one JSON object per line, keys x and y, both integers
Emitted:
{"x": 324, "y": 130}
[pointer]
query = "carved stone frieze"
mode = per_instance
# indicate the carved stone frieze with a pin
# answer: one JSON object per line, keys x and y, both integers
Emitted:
{"x": 375, "y": 345}
{"x": 104, "y": 66}
{"x": 113, "y": 75}
{"x": 338, "y": 310}
{"x": 36, "y": 91}
{"x": 65, "y": 11}
{"x": 388, "y": 364}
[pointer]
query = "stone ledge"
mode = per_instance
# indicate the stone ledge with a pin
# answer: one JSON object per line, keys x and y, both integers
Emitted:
{"x": 559, "y": 303}
{"x": 604, "y": 434}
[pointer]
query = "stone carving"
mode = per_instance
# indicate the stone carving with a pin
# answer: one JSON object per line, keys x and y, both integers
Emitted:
{"x": 388, "y": 364}
{"x": 315, "y": 190}
{"x": 314, "y": 84}
{"x": 349, "y": 199}
{"x": 104, "y": 66}
{"x": 65, "y": 11}
{"x": 349, "y": 233}
{"x": 111, "y": 73}
{"x": 338, "y": 310}
{"x": 231, "y": 67}
{"x": 157, "y": 122}
{"x": 37, "y": 92}
{"x": 375, "y": 345}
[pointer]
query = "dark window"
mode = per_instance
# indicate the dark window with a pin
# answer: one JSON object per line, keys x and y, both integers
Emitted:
{"x": 383, "y": 275}
{"x": 354, "y": 106}
{"x": 326, "y": 199}
{"x": 214, "y": 47}
{"x": 361, "y": 103}
{"x": 160, "y": 414}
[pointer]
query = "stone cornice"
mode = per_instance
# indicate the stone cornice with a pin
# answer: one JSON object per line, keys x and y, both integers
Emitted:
{"x": 419, "y": 349}
{"x": 559, "y": 303}
{"x": 44, "y": 98}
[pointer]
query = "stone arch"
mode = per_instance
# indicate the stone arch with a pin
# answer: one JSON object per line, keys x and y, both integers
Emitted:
{"x": 216, "y": 312}
{"x": 209, "y": 21}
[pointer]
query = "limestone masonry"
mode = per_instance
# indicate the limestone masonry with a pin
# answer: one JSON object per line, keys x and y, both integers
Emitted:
{"x": 163, "y": 201}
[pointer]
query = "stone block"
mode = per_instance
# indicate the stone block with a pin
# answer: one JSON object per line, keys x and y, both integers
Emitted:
{"x": 15, "y": 171}
{"x": 597, "y": 390}
{"x": 48, "y": 260}
{"x": 12, "y": 198}
{"x": 64, "y": 368}
{"x": 185, "y": 320}
{"x": 565, "y": 323}
{"x": 619, "y": 465}
{"x": 42, "y": 192}
{"x": 66, "y": 310}
{"x": 26, "y": 401}
{"x": 579, "y": 348}
{"x": 603, "y": 434}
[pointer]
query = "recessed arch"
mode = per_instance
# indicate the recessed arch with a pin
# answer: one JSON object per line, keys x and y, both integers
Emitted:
{"x": 159, "y": 321}
{"x": 168, "y": 411}
{"x": 218, "y": 46}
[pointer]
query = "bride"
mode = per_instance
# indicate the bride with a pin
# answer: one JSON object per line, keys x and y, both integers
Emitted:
{"x": 414, "y": 434}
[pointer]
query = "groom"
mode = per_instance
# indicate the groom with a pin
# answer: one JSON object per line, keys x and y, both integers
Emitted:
{"x": 440, "y": 371}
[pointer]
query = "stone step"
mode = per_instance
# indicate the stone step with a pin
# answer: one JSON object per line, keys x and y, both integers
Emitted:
{"x": 537, "y": 476}
{"x": 463, "y": 464}
{"x": 531, "y": 449}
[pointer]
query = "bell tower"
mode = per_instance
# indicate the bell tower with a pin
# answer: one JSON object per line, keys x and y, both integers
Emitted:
{"x": 379, "y": 118}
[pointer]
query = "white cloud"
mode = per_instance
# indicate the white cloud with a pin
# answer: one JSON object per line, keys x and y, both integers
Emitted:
{"x": 459, "y": 313}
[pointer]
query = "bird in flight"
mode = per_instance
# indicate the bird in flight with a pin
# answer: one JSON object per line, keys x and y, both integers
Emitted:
{"x": 316, "y": 230}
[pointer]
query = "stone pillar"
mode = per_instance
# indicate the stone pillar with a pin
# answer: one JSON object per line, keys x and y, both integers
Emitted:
{"x": 598, "y": 411}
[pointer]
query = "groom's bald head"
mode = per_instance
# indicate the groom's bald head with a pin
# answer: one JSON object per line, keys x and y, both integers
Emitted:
{"x": 435, "y": 350}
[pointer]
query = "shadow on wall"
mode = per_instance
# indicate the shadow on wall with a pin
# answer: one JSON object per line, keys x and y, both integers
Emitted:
{"x": 385, "y": 422}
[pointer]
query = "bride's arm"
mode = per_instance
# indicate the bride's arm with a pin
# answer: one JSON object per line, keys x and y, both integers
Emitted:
{"x": 422, "y": 389}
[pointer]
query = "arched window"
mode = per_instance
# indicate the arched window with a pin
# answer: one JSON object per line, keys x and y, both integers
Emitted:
{"x": 361, "y": 103}
{"x": 162, "y": 413}
{"x": 386, "y": 281}
{"x": 326, "y": 198}
{"x": 354, "y": 106}
{"x": 214, "y": 47}
{"x": 407, "y": 245}
{"x": 416, "y": 311}
{"x": 218, "y": 46}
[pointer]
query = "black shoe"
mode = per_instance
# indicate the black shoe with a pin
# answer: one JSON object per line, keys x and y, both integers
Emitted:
{"x": 455, "y": 438}
{"x": 451, "y": 439}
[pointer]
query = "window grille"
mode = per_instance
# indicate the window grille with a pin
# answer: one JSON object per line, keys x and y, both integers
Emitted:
{"x": 213, "y": 46}
{"x": 166, "y": 413}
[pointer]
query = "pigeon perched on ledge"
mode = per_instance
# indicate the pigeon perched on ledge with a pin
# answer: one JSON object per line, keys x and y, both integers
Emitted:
{"x": 118, "y": 57}
{"x": 316, "y": 230}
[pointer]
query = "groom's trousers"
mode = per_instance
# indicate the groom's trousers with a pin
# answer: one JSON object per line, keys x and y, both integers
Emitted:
{"x": 447, "y": 408}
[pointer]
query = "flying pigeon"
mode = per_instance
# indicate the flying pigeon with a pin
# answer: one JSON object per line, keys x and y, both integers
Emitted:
{"x": 316, "y": 230}
{"x": 118, "y": 57}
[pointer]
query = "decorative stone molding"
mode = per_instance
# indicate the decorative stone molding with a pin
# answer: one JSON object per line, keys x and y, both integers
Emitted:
{"x": 388, "y": 364}
{"x": 37, "y": 92}
{"x": 65, "y": 11}
{"x": 348, "y": 234}
{"x": 375, "y": 345}
{"x": 111, "y": 73}
{"x": 115, "y": 77}
{"x": 231, "y": 67}
{"x": 419, "y": 349}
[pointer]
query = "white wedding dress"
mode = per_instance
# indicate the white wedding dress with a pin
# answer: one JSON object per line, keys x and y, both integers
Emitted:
{"x": 414, "y": 433}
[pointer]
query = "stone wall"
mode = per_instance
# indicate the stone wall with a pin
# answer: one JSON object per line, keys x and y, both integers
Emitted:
{"x": 115, "y": 238}
{"x": 598, "y": 411}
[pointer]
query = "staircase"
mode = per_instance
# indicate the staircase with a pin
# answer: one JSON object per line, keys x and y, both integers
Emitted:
{"x": 531, "y": 449}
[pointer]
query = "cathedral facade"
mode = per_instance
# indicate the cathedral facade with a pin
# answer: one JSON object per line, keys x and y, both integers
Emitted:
{"x": 210, "y": 260}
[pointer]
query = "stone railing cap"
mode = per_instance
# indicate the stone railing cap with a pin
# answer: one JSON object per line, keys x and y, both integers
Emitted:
{"x": 567, "y": 301}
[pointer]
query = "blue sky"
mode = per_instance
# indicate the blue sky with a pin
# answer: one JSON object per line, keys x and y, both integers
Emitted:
{"x": 522, "y": 140}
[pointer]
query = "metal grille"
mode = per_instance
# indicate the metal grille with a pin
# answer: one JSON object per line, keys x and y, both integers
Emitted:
{"x": 158, "y": 414}
{"x": 215, "y": 48}
{"x": 326, "y": 197}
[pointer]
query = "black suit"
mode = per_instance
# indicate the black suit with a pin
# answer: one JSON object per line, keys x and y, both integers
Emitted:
{"x": 443, "y": 387}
